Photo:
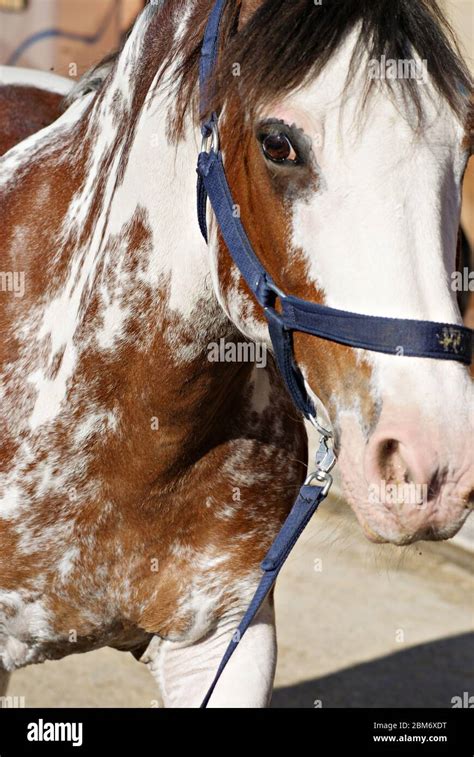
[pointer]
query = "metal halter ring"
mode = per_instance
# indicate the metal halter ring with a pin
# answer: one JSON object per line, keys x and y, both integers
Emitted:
{"x": 213, "y": 138}
{"x": 322, "y": 477}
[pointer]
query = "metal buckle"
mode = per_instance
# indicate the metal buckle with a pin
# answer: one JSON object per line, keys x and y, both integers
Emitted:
{"x": 213, "y": 138}
{"x": 325, "y": 462}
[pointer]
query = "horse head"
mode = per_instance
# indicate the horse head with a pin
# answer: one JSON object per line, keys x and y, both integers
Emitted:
{"x": 345, "y": 150}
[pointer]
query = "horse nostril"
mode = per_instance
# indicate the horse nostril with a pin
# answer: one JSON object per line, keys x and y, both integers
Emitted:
{"x": 391, "y": 463}
{"x": 402, "y": 470}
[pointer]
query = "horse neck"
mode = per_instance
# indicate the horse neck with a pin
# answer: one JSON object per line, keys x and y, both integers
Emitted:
{"x": 138, "y": 286}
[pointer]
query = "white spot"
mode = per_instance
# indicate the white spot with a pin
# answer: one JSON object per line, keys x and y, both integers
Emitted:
{"x": 114, "y": 318}
{"x": 66, "y": 563}
{"x": 10, "y": 502}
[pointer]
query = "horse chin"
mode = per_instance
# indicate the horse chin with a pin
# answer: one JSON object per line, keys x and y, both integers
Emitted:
{"x": 397, "y": 539}
{"x": 372, "y": 536}
{"x": 385, "y": 535}
{"x": 387, "y": 529}
{"x": 376, "y": 533}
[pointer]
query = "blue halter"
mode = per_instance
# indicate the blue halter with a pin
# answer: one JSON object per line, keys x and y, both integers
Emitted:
{"x": 393, "y": 336}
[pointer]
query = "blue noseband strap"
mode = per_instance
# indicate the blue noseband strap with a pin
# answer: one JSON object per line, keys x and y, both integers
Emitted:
{"x": 393, "y": 336}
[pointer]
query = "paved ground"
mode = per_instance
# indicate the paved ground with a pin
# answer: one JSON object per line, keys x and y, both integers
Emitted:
{"x": 359, "y": 625}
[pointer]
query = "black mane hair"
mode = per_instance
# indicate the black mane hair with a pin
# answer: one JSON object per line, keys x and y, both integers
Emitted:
{"x": 286, "y": 43}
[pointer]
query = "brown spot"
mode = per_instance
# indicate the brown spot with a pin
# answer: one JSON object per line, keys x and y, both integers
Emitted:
{"x": 55, "y": 364}
{"x": 24, "y": 111}
{"x": 247, "y": 9}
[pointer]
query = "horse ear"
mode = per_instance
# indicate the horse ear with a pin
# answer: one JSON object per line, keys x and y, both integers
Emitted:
{"x": 247, "y": 9}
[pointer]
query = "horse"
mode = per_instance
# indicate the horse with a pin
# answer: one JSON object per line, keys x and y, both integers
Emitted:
{"x": 148, "y": 458}
{"x": 29, "y": 101}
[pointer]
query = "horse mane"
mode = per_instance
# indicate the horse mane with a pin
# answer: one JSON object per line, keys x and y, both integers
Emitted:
{"x": 286, "y": 44}
{"x": 93, "y": 80}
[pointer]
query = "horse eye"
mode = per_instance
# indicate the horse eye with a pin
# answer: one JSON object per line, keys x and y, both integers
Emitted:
{"x": 278, "y": 149}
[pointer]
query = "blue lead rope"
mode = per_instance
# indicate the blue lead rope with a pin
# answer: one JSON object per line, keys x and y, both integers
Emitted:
{"x": 309, "y": 498}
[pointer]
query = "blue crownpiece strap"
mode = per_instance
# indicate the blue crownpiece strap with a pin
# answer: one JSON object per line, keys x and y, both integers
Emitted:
{"x": 211, "y": 171}
{"x": 209, "y": 51}
{"x": 309, "y": 498}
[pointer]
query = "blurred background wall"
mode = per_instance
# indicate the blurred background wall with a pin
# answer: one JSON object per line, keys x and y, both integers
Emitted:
{"x": 53, "y": 34}
{"x": 461, "y": 15}
{"x": 62, "y": 36}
